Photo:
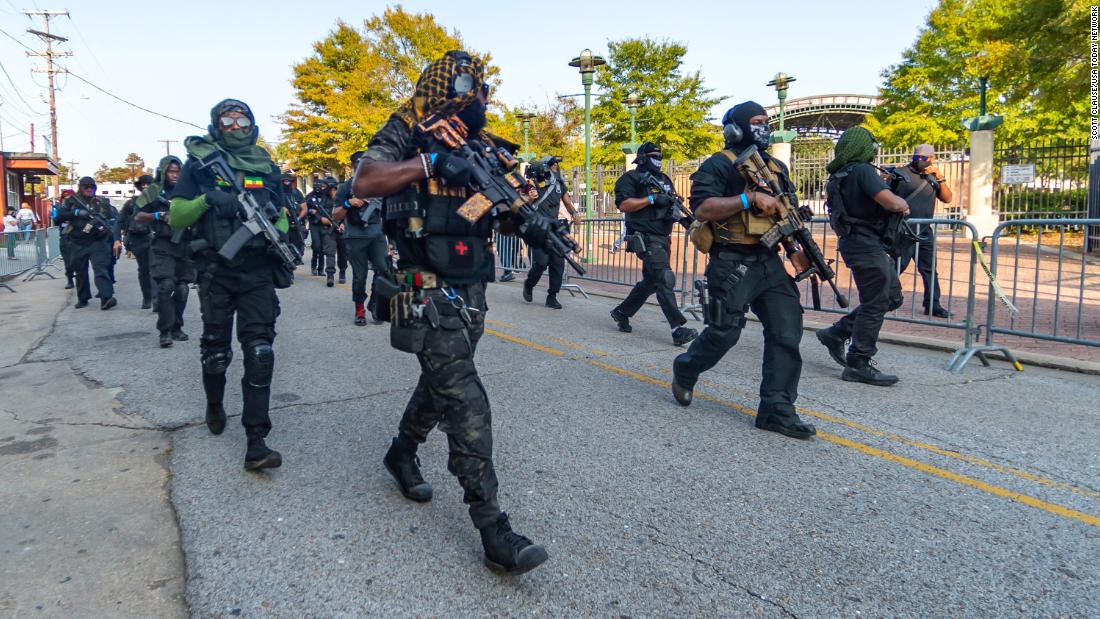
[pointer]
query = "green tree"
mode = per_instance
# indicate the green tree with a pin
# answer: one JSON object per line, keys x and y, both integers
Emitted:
{"x": 1032, "y": 51}
{"x": 354, "y": 80}
{"x": 108, "y": 174}
{"x": 555, "y": 129}
{"x": 676, "y": 107}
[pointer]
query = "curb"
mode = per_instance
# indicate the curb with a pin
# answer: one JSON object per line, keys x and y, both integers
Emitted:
{"x": 1025, "y": 357}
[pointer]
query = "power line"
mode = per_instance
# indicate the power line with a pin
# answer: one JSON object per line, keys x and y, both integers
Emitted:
{"x": 17, "y": 93}
{"x": 130, "y": 103}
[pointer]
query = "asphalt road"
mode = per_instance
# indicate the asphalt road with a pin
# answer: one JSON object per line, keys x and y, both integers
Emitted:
{"x": 948, "y": 495}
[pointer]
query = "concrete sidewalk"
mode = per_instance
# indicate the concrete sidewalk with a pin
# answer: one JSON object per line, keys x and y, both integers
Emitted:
{"x": 86, "y": 529}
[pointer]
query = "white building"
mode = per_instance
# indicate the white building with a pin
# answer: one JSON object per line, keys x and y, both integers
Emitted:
{"x": 117, "y": 193}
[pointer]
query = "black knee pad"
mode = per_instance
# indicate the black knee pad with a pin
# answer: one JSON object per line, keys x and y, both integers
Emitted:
{"x": 182, "y": 288}
{"x": 166, "y": 286}
{"x": 216, "y": 361}
{"x": 259, "y": 363}
{"x": 669, "y": 279}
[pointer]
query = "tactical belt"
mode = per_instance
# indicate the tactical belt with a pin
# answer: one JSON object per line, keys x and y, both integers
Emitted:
{"x": 744, "y": 252}
{"x": 423, "y": 280}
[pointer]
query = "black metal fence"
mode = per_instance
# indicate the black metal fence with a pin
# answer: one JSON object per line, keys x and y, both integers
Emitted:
{"x": 1059, "y": 185}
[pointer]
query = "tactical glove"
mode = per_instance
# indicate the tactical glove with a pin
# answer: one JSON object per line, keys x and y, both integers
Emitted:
{"x": 663, "y": 200}
{"x": 536, "y": 230}
{"x": 454, "y": 170}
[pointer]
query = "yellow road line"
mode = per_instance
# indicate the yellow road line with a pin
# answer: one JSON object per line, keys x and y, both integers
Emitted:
{"x": 838, "y": 440}
{"x": 527, "y": 343}
{"x": 580, "y": 347}
{"x": 949, "y": 453}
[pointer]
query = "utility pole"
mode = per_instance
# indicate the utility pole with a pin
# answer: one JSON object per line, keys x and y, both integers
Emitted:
{"x": 72, "y": 171}
{"x": 49, "y": 39}
{"x": 168, "y": 146}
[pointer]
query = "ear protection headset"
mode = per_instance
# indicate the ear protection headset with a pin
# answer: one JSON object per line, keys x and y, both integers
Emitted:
{"x": 730, "y": 131}
{"x": 461, "y": 83}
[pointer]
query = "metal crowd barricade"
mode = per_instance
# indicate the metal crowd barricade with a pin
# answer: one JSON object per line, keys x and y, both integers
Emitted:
{"x": 44, "y": 259}
{"x": 25, "y": 254}
{"x": 512, "y": 256}
{"x": 1051, "y": 288}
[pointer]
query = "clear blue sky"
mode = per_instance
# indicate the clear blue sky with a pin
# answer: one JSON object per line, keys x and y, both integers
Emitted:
{"x": 179, "y": 58}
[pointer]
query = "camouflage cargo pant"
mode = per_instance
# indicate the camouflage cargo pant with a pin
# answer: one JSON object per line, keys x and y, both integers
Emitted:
{"x": 450, "y": 394}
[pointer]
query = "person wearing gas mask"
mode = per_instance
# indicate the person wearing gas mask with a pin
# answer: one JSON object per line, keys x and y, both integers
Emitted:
{"x": 438, "y": 313}
{"x": 860, "y": 203}
{"x": 173, "y": 270}
{"x": 293, "y": 203}
{"x": 366, "y": 243}
{"x": 242, "y": 288}
{"x": 649, "y": 228}
{"x": 137, "y": 239}
{"x": 546, "y": 176}
{"x": 923, "y": 185}
{"x": 92, "y": 241}
{"x": 743, "y": 274}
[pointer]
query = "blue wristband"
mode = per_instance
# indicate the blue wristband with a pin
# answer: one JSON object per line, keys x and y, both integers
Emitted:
{"x": 156, "y": 216}
{"x": 744, "y": 202}
{"x": 431, "y": 158}
{"x": 347, "y": 204}
{"x": 651, "y": 198}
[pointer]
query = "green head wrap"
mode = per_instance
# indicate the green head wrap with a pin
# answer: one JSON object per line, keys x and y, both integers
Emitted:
{"x": 855, "y": 144}
{"x": 239, "y": 147}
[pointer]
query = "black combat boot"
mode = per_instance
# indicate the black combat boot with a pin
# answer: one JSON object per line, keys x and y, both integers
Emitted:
{"x": 343, "y": 278}
{"x": 938, "y": 311}
{"x": 108, "y": 303}
{"x": 69, "y": 284}
{"x": 215, "y": 418}
{"x": 507, "y": 276}
{"x": 146, "y": 303}
{"x": 509, "y": 552}
{"x": 402, "y": 463}
{"x": 527, "y": 290}
{"x": 552, "y": 301}
{"x": 682, "y": 394}
{"x": 165, "y": 339}
{"x": 179, "y": 336}
{"x": 622, "y": 320}
{"x": 260, "y": 456}
{"x": 862, "y": 370}
{"x": 682, "y": 335}
{"x": 329, "y": 282}
{"x": 792, "y": 427}
{"x": 834, "y": 343}
{"x": 81, "y": 304}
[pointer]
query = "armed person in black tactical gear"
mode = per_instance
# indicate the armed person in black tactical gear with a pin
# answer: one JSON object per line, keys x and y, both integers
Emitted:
{"x": 922, "y": 184}
{"x": 229, "y": 193}
{"x": 645, "y": 195}
{"x": 366, "y": 243}
{"x": 861, "y": 209}
{"x": 546, "y": 176}
{"x": 311, "y": 213}
{"x": 137, "y": 239}
{"x": 173, "y": 270}
{"x": 744, "y": 274}
{"x": 92, "y": 241}
{"x": 294, "y": 203}
{"x": 425, "y": 161}
{"x": 327, "y": 230}
{"x": 64, "y": 242}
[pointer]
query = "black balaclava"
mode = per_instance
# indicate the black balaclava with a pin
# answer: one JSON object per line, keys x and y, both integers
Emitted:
{"x": 86, "y": 181}
{"x": 473, "y": 115}
{"x": 744, "y": 135}
{"x": 645, "y": 161}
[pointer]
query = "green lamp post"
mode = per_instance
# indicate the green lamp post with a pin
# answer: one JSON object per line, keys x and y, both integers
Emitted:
{"x": 633, "y": 102}
{"x": 587, "y": 63}
{"x": 780, "y": 82}
{"x": 526, "y": 117}
{"x": 983, "y": 121}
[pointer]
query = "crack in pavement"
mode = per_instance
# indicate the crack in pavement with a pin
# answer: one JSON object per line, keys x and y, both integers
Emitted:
{"x": 77, "y": 424}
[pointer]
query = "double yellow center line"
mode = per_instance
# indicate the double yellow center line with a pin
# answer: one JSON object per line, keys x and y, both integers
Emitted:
{"x": 863, "y": 448}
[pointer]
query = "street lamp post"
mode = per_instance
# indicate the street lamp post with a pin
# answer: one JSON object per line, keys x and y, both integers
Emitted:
{"x": 526, "y": 117}
{"x": 587, "y": 63}
{"x": 781, "y": 140}
{"x": 633, "y": 102}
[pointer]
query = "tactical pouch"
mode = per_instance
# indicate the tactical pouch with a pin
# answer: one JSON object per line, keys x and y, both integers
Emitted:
{"x": 408, "y": 327}
{"x": 383, "y": 291}
{"x": 635, "y": 243}
{"x": 282, "y": 274}
{"x": 455, "y": 257}
{"x": 701, "y": 235}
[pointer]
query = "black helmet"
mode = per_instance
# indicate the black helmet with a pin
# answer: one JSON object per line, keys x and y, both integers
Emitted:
{"x": 86, "y": 181}
{"x": 144, "y": 180}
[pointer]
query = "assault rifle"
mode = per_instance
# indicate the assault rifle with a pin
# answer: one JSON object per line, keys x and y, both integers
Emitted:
{"x": 258, "y": 218}
{"x": 499, "y": 185}
{"x": 790, "y": 225}
{"x": 676, "y": 212}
